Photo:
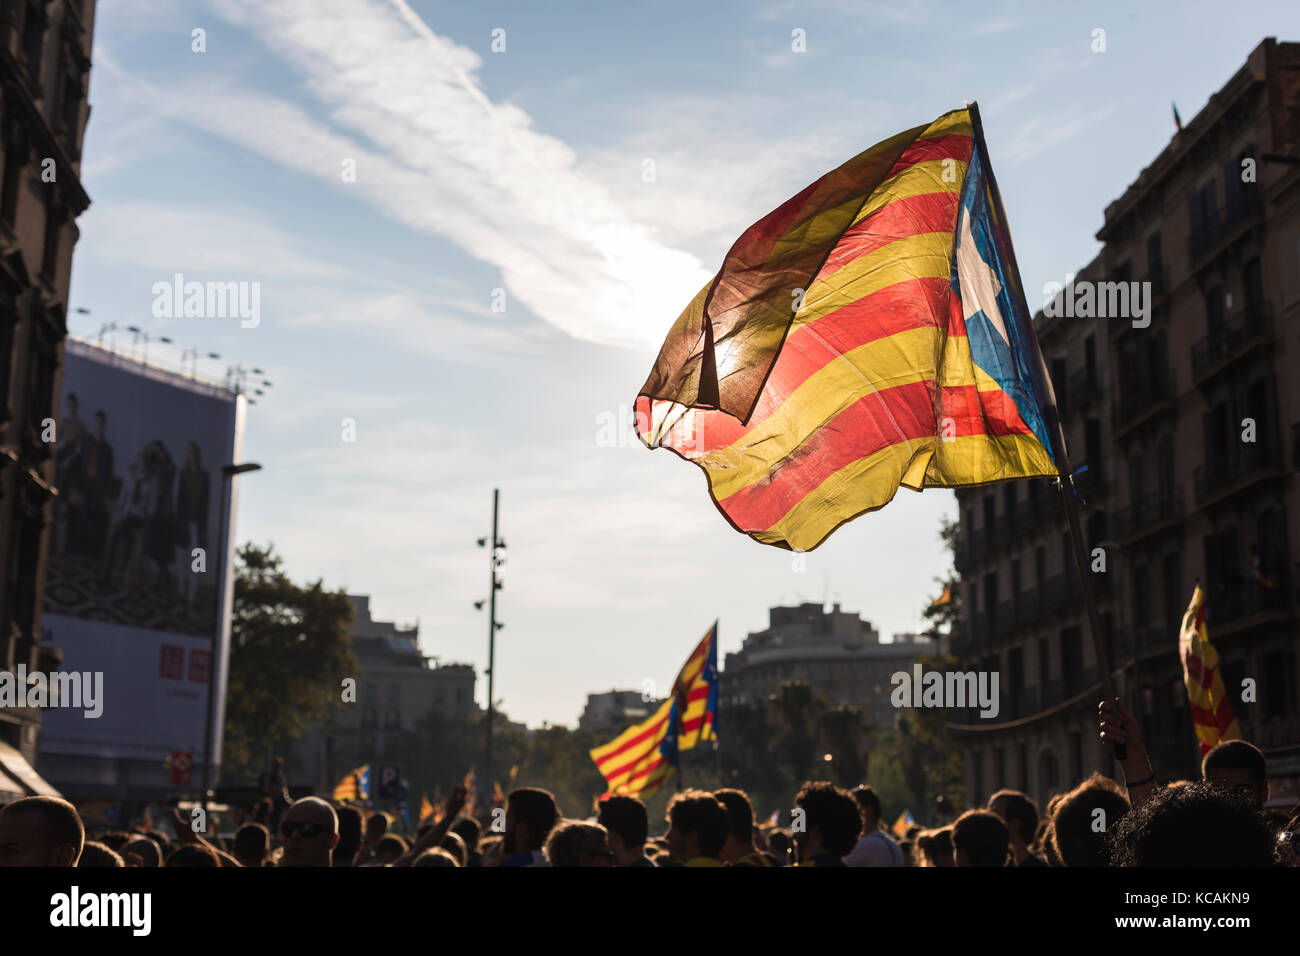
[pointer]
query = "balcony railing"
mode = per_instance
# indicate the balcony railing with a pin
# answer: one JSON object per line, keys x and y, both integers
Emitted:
{"x": 1083, "y": 388}
{"x": 1221, "y": 347}
{"x": 1149, "y": 512}
{"x": 1248, "y": 462}
{"x": 1231, "y": 605}
{"x": 1140, "y": 398}
{"x": 1239, "y": 211}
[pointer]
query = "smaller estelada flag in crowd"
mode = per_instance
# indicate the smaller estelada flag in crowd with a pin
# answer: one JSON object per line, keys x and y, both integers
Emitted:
{"x": 426, "y": 809}
{"x": 498, "y": 795}
{"x": 1212, "y": 711}
{"x": 355, "y": 786}
{"x": 944, "y": 598}
{"x": 902, "y": 823}
{"x": 639, "y": 760}
{"x": 869, "y": 334}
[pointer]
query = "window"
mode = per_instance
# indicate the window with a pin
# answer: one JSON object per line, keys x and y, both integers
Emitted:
{"x": 34, "y": 40}
{"x": 50, "y": 255}
{"x": 15, "y": 161}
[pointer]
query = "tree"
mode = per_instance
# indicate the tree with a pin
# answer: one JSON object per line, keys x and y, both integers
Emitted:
{"x": 289, "y": 653}
{"x": 943, "y": 615}
{"x": 932, "y": 763}
{"x": 844, "y": 737}
{"x": 794, "y": 710}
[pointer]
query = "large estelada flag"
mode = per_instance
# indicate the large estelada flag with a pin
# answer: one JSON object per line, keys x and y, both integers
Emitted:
{"x": 1212, "y": 712}
{"x": 868, "y": 334}
{"x": 355, "y": 786}
{"x": 640, "y": 759}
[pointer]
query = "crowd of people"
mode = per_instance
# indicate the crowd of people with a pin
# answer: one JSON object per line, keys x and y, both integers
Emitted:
{"x": 1218, "y": 821}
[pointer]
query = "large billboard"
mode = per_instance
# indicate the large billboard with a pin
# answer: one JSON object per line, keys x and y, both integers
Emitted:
{"x": 131, "y": 589}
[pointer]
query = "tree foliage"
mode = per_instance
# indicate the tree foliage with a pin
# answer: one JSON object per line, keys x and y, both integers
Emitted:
{"x": 289, "y": 653}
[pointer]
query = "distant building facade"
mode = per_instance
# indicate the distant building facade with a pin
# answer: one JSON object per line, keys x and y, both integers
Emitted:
{"x": 835, "y": 652}
{"x": 44, "y": 79}
{"x": 398, "y": 688}
{"x": 614, "y": 711}
{"x": 1162, "y": 416}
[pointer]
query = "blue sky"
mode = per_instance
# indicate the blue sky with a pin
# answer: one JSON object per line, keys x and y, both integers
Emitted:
{"x": 523, "y": 171}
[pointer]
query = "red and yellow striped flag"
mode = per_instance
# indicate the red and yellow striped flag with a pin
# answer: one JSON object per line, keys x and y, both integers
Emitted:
{"x": 426, "y": 810}
{"x": 869, "y": 334}
{"x": 640, "y": 759}
{"x": 1211, "y": 709}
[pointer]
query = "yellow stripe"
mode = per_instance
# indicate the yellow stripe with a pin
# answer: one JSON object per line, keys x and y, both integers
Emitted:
{"x": 869, "y": 483}
{"x": 918, "y": 256}
{"x": 661, "y": 715}
{"x": 931, "y": 176}
{"x": 899, "y": 359}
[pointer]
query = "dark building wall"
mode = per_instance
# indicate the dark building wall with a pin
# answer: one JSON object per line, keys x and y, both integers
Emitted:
{"x": 44, "y": 81}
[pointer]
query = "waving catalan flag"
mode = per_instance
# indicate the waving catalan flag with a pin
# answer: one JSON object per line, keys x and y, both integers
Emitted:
{"x": 355, "y": 786}
{"x": 640, "y": 759}
{"x": 1212, "y": 712}
{"x": 868, "y": 334}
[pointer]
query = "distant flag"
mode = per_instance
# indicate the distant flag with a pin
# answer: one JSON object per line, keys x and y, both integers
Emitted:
{"x": 514, "y": 772}
{"x": 470, "y": 783}
{"x": 498, "y": 796}
{"x": 1212, "y": 712}
{"x": 902, "y": 824}
{"x": 1178, "y": 120}
{"x": 774, "y": 819}
{"x": 355, "y": 786}
{"x": 869, "y": 334}
{"x": 944, "y": 598}
{"x": 640, "y": 759}
{"x": 146, "y": 824}
{"x": 426, "y": 809}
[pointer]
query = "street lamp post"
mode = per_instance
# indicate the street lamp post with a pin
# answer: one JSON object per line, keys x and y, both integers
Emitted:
{"x": 494, "y": 563}
{"x": 228, "y": 473}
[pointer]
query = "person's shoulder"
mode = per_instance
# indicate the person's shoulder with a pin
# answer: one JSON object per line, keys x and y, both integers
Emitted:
{"x": 1033, "y": 860}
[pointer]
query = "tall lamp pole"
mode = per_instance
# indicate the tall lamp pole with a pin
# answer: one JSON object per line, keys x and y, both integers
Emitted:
{"x": 228, "y": 473}
{"x": 495, "y": 562}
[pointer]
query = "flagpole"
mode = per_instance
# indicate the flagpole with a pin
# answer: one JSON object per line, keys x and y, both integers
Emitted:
{"x": 1057, "y": 437}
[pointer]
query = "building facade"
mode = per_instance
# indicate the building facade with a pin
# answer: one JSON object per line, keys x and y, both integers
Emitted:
{"x": 837, "y": 653}
{"x": 397, "y": 689}
{"x": 1183, "y": 426}
{"x": 615, "y": 711}
{"x": 44, "y": 79}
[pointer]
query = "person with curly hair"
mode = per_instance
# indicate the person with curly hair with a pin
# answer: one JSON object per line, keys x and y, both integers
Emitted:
{"x": 832, "y": 823}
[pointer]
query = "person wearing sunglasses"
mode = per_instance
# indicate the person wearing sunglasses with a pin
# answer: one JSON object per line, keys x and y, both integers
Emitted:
{"x": 310, "y": 829}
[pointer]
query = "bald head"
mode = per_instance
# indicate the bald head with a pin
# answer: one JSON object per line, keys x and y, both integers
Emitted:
{"x": 40, "y": 831}
{"x": 311, "y": 830}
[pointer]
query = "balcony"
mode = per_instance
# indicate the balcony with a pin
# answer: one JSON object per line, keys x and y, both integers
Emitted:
{"x": 1142, "y": 400}
{"x": 1083, "y": 389}
{"x": 1241, "y": 212}
{"x": 1151, "y": 514}
{"x": 1218, "y": 351}
{"x": 1028, "y": 607}
{"x": 1233, "y": 609}
{"x": 1252, "y": 463}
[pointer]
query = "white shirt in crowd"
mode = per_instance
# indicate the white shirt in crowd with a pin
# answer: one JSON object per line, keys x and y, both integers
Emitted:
{"x": 875, "y": 849}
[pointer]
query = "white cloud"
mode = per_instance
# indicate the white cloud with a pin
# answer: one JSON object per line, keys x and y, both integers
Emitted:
{"x": 444, "y": 159}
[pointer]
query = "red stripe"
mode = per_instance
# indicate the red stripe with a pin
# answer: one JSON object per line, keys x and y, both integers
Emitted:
{"x": 1197, "y": 670}
{"x": 871, "y": 424}
{"x": 904, "y": 306}
{"x": 638, "y": 739}
{"x": 909, "y": 216}
{"x": 758, "y": 241}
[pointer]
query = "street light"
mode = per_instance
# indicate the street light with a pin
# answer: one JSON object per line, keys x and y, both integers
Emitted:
{"x": 228, "y": 473}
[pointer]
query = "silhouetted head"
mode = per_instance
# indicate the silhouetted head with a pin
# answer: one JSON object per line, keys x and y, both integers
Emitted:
{"x": 1238, "y": 766}
{"x": 980, "y": 838}
{"x": 40, "y": 831}
{"x": 1198, "y": 825}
